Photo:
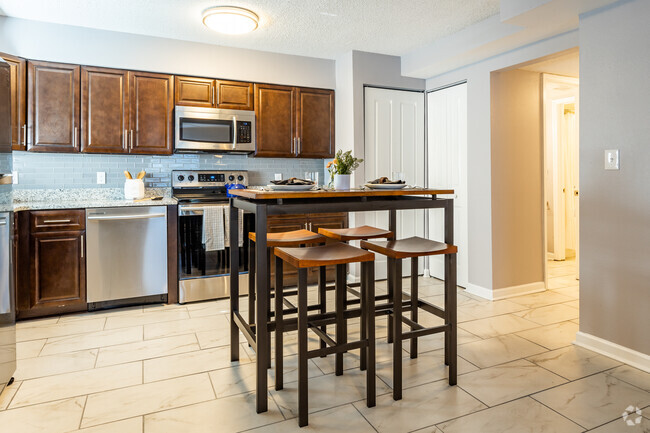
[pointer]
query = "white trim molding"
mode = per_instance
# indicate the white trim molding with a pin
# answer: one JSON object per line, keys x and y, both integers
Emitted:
{"x": 505, "y": 292}
{"x": 613, "y": 350}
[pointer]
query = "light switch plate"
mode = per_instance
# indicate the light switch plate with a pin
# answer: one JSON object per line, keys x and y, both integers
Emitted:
{"x": 278, "y": 176}
{"x": 101, "y": 177}
{"x": 611, "y": 159}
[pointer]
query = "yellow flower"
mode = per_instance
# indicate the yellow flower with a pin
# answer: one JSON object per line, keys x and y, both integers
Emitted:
{"x": 329, "y": 164}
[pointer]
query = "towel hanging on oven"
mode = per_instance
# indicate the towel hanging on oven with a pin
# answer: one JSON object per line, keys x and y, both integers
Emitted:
{"x": 213, "y": 228}
{"x": 241, "y": 226}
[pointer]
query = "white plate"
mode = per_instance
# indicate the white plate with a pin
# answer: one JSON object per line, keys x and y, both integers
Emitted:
{"x": 290, "y": 187}
{"x": 385, "y": 185}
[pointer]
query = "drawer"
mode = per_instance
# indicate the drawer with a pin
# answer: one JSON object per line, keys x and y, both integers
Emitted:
{"x": 58, "y": 220}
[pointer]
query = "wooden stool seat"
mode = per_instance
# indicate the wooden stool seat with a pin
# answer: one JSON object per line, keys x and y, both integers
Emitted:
{"x": 356, "y": 233}
{"x": 410, "y": 247}
{"x": 325, "y": 255}
{"x": 293, "y": 238}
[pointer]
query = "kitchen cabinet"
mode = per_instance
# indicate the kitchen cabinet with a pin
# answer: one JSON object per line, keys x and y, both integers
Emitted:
{"x": 104, "y": 110}
{"x": 282, "y": 223}
{"x": 206, "y": 92}
{"x": 294, "y": 122}
{"x": 52, "y": 107}
{"x": 51, "y": 264}
{"x": 151, "y": 113}
{"x": 18, "y": 68}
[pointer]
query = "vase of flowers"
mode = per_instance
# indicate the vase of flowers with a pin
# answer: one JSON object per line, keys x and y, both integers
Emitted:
{"x": 341, "y": 168}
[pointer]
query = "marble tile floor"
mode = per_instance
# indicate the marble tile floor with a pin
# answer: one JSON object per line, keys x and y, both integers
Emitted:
{"x": 163, "y": 368}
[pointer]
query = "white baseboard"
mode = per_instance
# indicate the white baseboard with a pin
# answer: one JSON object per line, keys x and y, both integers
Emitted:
{"x": 505, "y": 292}
{"x": 620, "y": 353}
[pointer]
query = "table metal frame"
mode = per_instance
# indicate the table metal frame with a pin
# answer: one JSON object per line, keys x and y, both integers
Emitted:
{"x": 258, "y": 336}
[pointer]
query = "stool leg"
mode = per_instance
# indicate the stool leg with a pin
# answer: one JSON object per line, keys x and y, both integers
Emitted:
{"x": 269, "y": 254}
{"x": 303, "y": 399}
{"x": 251, "y": 282}
{"x": 369, "y": 300}
{"x": 397, "y": 329}
{"x": 414, "y": 303}
{"x": 390, "y": 282}
{"x": 322, "y": 299}
{"x": 279, "y": 317}
{"x": 364, "y": 311}
{"x": 341, "y": 331}
{"x": 450, "y": 318}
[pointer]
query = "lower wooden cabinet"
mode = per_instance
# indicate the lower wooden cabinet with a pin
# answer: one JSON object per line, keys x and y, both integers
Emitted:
{"x": 51, "y": 263}
{"x": 284, "y": 223}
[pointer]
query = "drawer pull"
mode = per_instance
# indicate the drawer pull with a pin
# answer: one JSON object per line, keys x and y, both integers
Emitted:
{"x": 57, "y": 221}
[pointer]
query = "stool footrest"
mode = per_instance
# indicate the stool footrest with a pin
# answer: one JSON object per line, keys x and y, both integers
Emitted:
{"x": 354, "y": 292}
{"x": 424, "y": 332}
{"x": 337, "y": 349}
{"x": 247, "y": 330}
{"x": 430, "y": 308}
{"x": 322, "y": 335}
{"x": 412, "y": 324}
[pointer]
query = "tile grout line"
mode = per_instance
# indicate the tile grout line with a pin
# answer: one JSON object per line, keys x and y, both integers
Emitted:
{"x": 83, "y": 412}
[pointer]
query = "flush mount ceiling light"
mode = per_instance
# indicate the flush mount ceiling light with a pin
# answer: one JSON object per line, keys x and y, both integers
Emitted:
{"x": 230, "y": 20}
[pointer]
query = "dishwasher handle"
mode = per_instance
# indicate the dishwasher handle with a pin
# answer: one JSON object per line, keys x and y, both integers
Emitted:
{"x": 125, "y": 217}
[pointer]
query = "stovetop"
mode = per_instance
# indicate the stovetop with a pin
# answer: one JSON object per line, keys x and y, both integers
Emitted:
{"x": 205, "y": 186}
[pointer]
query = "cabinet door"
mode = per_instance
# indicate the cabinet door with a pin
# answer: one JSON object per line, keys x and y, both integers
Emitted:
{"x": 58, "y": 272}
{"x": 151, "y": 107}
{"x": 285, "y": 223}
{"x": 329, "y": 221}
{"x": 274, "y": 112}
{"x": 235, "y": 95}
{"x": 18, "y": 68}
{"x": 315, "y": 123}
{"x": 104, "y": 110}
{"x": 52, "y": 107}
{"x": 195, "y": 92}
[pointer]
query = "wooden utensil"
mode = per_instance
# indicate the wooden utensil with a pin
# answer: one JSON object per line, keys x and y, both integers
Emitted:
{"x": 158, "y": 197}
{"x": 127, "y": 174}
{"x": 141, "y": 174}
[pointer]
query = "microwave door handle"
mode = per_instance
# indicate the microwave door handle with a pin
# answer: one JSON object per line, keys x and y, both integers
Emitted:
{"x": 234, "y": 132}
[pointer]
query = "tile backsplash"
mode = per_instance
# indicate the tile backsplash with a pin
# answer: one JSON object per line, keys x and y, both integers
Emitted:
{"x": 80, "y": 170}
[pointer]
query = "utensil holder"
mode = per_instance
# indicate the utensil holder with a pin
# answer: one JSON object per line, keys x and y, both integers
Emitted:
{"x": 133, "y": 189}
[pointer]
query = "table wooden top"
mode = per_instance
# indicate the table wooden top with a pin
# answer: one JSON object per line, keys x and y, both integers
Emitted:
{"x": 256, "y": 194}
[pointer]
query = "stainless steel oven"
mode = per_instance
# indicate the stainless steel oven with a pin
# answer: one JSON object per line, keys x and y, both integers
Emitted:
{"x": 215, "y": 130}
{"x": 203, "y": 244}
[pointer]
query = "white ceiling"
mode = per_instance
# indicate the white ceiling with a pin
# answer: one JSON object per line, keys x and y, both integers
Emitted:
{"x": 316, "y": 28}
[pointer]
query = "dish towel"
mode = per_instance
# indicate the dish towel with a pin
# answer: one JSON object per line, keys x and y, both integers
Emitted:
{"x": 226, "y": 211}
{"x": 213, "y": 228}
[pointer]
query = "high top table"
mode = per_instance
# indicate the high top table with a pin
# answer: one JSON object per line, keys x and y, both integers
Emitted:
{"x": 264, "y": 203}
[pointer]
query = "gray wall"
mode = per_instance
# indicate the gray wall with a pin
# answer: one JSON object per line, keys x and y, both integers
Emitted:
{"x": 61, "y": 43}
{"x": 517, "y": 189}
{"x": 615, "y": 205}
{"x": 80, "y": 170}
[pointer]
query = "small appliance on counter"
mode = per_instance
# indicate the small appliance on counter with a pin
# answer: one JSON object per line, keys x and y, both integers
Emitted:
{"x": 203, "y": 250}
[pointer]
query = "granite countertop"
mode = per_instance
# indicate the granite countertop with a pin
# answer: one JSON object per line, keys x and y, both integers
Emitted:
{"x": 77, "y": 198}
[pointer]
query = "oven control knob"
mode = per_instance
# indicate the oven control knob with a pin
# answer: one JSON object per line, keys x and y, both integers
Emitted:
{"x": 190, "y": 178}
{"x": 231, "y": 178}
{"x": 240, "y": 178}
{"x": 181, "y": 178}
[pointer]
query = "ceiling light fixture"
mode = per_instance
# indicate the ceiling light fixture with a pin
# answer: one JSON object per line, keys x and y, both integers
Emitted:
{"x": 230, "y": 20}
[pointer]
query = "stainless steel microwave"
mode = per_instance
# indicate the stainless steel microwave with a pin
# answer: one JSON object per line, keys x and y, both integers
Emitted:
{"x": 214, "y": 130}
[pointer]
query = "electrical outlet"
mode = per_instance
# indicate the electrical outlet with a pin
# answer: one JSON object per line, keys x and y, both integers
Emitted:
{"x": 14, "y": 177}
{"x": 101, "y": 177}
{"x": 611, "y": 159}
{"x": 278, "y": 176}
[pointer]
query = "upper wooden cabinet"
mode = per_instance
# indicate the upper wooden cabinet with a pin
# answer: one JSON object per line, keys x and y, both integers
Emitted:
{"x": 275, "y": 116}
{"x": 315, "y": 123}
{"x": 205, "y": 92}
{"x": 18, "y": 68}
{"x": 151, "y": 109}
{"x": 294, "y": 121}
{"x": 52, "y": 107}
{"x": 104, "y": 110}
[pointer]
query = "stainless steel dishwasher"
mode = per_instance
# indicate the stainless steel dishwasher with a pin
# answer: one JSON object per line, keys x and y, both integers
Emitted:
{"x": 126, "y": 256}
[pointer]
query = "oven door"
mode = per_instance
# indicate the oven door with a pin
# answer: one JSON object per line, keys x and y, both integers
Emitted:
{"x": 214, "y": 130}
{"x": 204, "y": 268}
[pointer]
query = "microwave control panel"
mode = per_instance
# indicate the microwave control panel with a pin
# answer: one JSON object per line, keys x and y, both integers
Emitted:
{"x": 244, "y": 131}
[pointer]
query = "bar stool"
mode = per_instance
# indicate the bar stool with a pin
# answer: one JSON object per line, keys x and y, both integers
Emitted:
{"x": 338, "y": 254}
{"x": 413, "y": 248}
{"x": 293, "y": 238}
{"x": 361, "y": 233}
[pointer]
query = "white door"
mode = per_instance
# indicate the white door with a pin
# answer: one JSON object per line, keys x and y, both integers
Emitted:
{"x": 394, "y": 142}
{"x": 447, "y": 168}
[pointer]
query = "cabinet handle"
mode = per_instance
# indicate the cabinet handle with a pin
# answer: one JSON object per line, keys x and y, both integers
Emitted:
{"x": 299, "y": 146}
{"x": 57, "y": 221}
{"x": 124, "y": 139}
{"x": 310, "y": 226}
{"x": 131, "y": 141}
{"x": 213, "y": 98}
{"x": 74, "y": 137}
{"x": 82, "y": 246}
{"x": 24, "y": 134}
{"x": 305, "y": 226}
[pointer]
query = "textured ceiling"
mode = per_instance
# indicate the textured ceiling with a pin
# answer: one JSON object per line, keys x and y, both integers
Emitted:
{"x": 317, "y": 28}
